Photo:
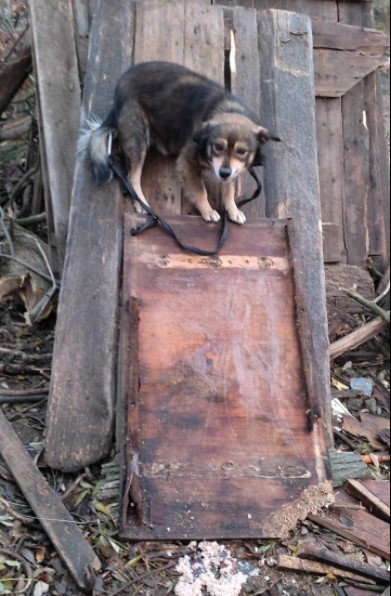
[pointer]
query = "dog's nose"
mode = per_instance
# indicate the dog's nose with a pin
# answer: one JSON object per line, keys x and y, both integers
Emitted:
{"x": 225, "y": 173}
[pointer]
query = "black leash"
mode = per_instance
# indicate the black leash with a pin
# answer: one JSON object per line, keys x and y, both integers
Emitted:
{"x": 153, "y": 219}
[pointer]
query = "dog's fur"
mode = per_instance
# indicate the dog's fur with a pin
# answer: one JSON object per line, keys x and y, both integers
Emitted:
{"x": 184, "y": 115}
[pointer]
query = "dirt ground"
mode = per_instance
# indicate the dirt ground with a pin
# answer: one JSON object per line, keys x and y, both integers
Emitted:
{"x": 29, "y": 564}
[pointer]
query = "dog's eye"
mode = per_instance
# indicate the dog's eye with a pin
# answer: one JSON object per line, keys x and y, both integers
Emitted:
{"x": 218, "y": 147}
{"x": 241, "y": 151}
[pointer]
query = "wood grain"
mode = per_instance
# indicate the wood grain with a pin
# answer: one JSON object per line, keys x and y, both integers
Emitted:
{"x": 59, "y": 525}
{"x": 80, "y": 416}
{"x": 59, "y": 101}
{"x": 217, "y": 369}
{"x": 291, "y": 168}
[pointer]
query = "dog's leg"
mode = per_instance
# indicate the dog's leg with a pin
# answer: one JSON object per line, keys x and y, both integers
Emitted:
{"x": 133, "y": 132}
{"x": 195, "y": 191}
{"x": 135, "y": 180}
{"x": 228, "y": 197}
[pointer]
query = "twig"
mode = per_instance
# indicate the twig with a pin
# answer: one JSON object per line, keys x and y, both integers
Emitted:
{"x": 7, "y": 235}
{"x": 383, "y": 294}
{"x": 25, "y": 356}
{"x": 31, "y": 220}
{"x": 27, "y": 266}
{"x": 74, "y": 484}
{"x": 23, "y": 179}
{"x": 26, "y": 399}
{"x": 372, "y": 268}
{"x": 18, "y": 516}
{"x": 29, "y": 574}
{"x": 9, "y": 396}
{"x": 347, "y": 441}
{"x": 142, "y": 577}
{"x": 375, "y": 308}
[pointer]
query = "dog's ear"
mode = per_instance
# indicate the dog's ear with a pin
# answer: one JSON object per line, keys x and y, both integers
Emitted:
{"x": 202, "y": 139}
{"x": 263, "y": 135}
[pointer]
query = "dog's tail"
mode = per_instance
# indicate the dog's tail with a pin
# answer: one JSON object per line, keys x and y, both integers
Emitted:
{"x": 94, "y": 142}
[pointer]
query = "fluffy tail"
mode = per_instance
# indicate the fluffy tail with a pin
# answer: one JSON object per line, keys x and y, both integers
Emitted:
{"x": 93, "y": 142}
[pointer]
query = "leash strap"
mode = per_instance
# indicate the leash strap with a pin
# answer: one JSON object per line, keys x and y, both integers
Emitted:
{"x": 154, "y": 219}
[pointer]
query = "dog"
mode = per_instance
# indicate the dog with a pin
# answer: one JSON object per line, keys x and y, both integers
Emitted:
{"x": 183, "y": 115}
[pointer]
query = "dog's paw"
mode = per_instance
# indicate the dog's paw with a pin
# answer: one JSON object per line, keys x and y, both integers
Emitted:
{"x": 237, "y": 216}
{"x": 138, "y": 208}
{"x": 211, "y": 216}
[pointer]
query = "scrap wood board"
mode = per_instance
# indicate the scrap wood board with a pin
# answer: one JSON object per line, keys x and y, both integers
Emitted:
{"x": 218, "y": 437}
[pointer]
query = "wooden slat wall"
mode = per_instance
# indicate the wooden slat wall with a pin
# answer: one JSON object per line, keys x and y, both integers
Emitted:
{"x": 353, "y": 172}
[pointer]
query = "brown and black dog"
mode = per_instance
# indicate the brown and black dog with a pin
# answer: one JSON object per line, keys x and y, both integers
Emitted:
{"x": 184, "y": 115}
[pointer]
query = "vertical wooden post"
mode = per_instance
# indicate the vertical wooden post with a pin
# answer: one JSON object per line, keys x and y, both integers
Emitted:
{"x": 80, "y": 417}
{"x": 59, "y": 100}
{"x": 291, "y": 170}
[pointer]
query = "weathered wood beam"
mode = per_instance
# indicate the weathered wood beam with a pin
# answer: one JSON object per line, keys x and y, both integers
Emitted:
{"x": 74, "y": 550}
{"x": 357, "y": 338}
{"x": 59, "y": 101}
{"x": 291, "y": 168}
{"x": 80, "y": 419}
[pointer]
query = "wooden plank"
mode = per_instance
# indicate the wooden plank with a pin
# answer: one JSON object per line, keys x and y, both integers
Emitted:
{"x": 245, "y": 82}
{"x": 330, "y": 162}
{"x": 82, "y": 17}
{"x": 74, "y": 550}
{"x": 325, "y": 555}
{"x": 291, "y": 169}
{"x": 356, "y": 525}
{"x": 204, "y": 40}
{"x": 340, "y": 36}
{"x": 204, "y": 52}
{"x": 80, "y": 415}
{"x": 336, "y": 72}
{"x": 378, "y": 208}
{"x": 192, "y": 35}
{"x": 358, "y": 429}
{"x": 59, "y": 91}
{"x": 357, "y": 338}
{"x": 379, "y": 489}
{"x": 369, "y": 499}
{"x": 353, "y": 591}
{"x": 356, "y": 162}
{"x": 288, "y": 563}
{"x": 323, "y": 9}
{"x": 200, "y": 405}
{"x": 356, "y": 179}
{"x": 159, "y": 36}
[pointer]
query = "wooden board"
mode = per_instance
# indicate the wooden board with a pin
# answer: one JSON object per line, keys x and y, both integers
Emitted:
{"x": 347, "y": 519}
{"x": 59, "y": 100}
{"x": 215, "y": 384}
{"x": 80, "y": 418}
{"x": 336, "y": 72}
{"x": 188, "y": 34}
{"x": 245, "y": 63}
{"x": 291, "y": 168}
{"x": 68, "y": 539}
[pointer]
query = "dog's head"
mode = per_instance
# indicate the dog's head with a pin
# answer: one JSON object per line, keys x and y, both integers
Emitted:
{"x": 230, "y": 144}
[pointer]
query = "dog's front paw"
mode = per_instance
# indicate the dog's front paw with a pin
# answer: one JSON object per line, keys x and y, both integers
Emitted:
{"x": 211, "y": 215}
{"x": 236, "y": 216}
{"x": 139, "y": 208}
